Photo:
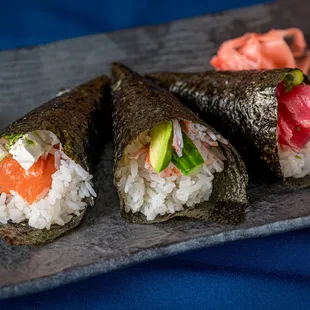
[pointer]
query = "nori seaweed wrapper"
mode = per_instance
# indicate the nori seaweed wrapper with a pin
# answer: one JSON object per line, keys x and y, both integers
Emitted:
{"x": 138, "y": 105}
{"x": 242, "y": 105}
{"x": 74, "y": 118}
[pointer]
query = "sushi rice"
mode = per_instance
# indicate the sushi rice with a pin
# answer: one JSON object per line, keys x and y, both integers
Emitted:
{"x": 56, "y": 205}
{"x": 155, "y": 194}
{"x": 295, "y": 164}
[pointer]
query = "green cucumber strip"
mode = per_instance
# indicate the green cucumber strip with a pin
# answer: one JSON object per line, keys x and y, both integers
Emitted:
{"x": 191, "y": 158}
{"x": 292, "y": 79}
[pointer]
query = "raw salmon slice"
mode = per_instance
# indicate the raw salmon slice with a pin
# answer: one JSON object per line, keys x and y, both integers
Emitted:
{"x": 28, "y": 184}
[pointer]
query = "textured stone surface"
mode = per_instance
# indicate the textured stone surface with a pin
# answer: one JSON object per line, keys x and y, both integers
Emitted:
{"x": 104, "y": 241}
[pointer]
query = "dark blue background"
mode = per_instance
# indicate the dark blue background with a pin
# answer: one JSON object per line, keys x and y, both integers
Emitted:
{"x": 270, "y": 272}
{"x": 29, "y": 22}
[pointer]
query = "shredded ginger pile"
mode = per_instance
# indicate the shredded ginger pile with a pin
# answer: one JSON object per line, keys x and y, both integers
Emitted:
{"x": 264, "y": 51}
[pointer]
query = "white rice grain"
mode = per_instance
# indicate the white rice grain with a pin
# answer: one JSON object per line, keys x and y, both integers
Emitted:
{"x": 57, "y": 159}
{"x": 212, "y": 135}
{"x": 295, "y": 164}
{"x": 134, "y": 168}
{"x": 90, "y": 189}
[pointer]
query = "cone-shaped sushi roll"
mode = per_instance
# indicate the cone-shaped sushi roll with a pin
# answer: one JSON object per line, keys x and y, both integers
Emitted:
{"x": 45, "y": 180}
{"x": 167, "y": 161}
{"x": 265, "y": 114}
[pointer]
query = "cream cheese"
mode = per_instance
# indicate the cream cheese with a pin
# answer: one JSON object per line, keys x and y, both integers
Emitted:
{"x": 28, "y": 149}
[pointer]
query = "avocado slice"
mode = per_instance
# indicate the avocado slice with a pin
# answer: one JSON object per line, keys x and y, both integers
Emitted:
{"x": 190, "y": 159}
{"x": 161, "y": 146}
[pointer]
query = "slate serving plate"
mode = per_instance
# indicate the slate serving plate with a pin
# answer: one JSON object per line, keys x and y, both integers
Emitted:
{"x": 104, "y": 241}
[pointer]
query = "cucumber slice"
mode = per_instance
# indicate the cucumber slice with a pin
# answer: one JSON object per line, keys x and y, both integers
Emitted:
{"x": 191, "y": 158}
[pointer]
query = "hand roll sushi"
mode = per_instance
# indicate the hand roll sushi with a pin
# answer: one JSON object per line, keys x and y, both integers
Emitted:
{"x": 167, "y": 161}
{"x": 45, "y": 161}
{"x": 265, "y": 114}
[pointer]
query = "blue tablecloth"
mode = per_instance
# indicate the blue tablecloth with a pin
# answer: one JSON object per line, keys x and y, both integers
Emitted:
{"x": 270, "y": 272}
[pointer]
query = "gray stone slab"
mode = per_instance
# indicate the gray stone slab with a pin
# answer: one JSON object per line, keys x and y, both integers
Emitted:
{"x": 30, "y": 76}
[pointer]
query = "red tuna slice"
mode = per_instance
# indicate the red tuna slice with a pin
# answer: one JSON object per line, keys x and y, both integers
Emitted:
{"x": 284, "y": 131}
{"x": 294, "y": 116}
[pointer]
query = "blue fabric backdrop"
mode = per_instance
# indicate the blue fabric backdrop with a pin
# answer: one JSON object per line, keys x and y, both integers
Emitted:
{"x": 270, "y": 272}
{"x": 32, "y": 22}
